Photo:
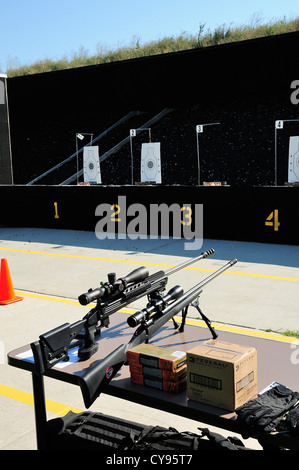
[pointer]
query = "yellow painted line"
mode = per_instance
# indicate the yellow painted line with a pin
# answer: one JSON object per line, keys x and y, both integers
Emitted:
{"x": 189, "y": 321}
{"x": 244, "y": 331}
{"x": 97, "y": 258}
{"x": 47, "y": 297}
{"x": 64, "y": 300}
{"x": 27, "y": 398}
{"x": 265, "y": 276}
{"x": 146, "y": 263}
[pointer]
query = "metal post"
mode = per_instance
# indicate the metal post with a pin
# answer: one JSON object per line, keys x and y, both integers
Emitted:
{"x": 133, "y": 133}
{"x": 80, "y": 135}
{"x": 40, "y": 410}
{"x": 77, "y": 159}
{"x": 199, "y": 130}
{"x": 131, "y": 145}
{"x": 198, "y": 163}
{"x": 275, "y": 159}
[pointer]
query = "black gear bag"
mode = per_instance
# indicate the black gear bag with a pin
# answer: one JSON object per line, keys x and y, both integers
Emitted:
{"x": 261, "y": 415}
{"x": 97, "y": 431}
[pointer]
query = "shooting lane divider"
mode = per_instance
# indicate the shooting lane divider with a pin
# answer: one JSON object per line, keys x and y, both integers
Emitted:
{"x": 146, "y": 263}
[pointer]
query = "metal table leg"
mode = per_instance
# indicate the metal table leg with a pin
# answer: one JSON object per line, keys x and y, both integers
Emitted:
{"x": 40, "y": 410}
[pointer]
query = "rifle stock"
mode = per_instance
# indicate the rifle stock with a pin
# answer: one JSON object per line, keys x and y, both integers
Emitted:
{"x": 102, "y": 372}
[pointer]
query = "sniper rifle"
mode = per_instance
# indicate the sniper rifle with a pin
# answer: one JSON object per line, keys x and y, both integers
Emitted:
{"x": 149, "y": 321}
{"x": 110, "y": 297}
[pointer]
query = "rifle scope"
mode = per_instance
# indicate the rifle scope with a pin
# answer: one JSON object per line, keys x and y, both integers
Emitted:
{"x": 113, "y": 285}
{"x": 155, "y": 305}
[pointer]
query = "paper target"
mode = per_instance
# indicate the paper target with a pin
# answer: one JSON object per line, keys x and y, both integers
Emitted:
{"x": 151, "y": 163}
{"x": 293, "y": 174}
{"x": 91, "y": 165}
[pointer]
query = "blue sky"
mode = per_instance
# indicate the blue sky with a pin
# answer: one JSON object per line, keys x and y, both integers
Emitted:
{"x": 33, "y": 30}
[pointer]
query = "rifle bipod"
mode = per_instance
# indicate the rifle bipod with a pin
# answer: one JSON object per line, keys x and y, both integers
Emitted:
{"x": 195, "y": 303}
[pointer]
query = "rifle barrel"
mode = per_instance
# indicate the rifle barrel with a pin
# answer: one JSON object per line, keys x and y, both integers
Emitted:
{"x": 203, "y": 255}
{"x": 192, "y": 293}
{"x": 178, "y": 305}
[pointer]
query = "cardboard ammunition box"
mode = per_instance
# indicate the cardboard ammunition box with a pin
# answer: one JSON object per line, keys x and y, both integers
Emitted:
{"x": 222, "y": 374}
{"x": 167, "y": 375}
{"x": 155, "y": 382}
{"x": 156, "y": 356}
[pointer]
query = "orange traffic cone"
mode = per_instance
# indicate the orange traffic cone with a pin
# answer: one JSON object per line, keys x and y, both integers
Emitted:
{"x": 7, "y": 293}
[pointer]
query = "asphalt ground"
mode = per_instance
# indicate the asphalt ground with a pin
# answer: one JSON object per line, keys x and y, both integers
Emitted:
{"x": 51, "y": 268}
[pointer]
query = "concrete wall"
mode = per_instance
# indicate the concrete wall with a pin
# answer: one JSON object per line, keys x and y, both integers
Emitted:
{"x": 47, "y": 109}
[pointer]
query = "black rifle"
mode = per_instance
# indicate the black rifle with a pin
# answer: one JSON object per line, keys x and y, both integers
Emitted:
{"x": 111, "y": 296}
{"x": 149, "y": 321}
